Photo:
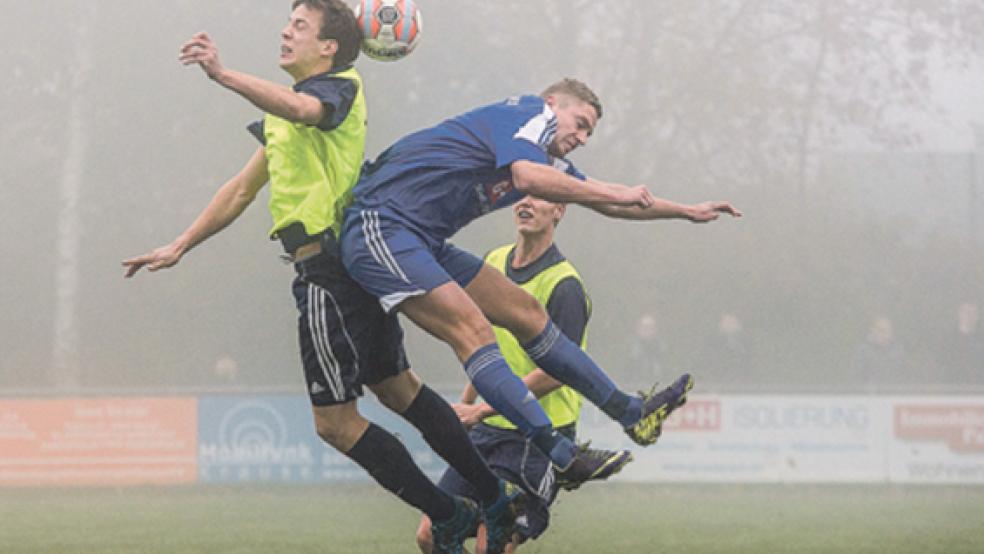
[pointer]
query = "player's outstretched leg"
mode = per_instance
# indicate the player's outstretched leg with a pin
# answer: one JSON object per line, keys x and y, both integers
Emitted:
{"x": 500, "y": 518}
{"x": 505, "y": 303}
{"x": 656, "y": 407}
{"x": 449, "y": 534}
{"x": 438, "y": 423}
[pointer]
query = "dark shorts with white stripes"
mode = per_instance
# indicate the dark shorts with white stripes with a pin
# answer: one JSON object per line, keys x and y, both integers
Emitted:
{"x": 346, "y": 339}
{"x": 515, "y": 459}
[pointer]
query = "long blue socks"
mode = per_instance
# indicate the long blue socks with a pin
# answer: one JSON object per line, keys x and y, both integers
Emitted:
{"x": 565, "y": 361}
{"x": 507, "y": 393}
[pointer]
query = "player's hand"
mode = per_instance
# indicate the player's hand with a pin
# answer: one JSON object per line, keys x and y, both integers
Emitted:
{"x": 469, "y": 414}
{"x": 709, "y": 211}
{"x": 201, "y": 50}
{"x": 159, "y": 258}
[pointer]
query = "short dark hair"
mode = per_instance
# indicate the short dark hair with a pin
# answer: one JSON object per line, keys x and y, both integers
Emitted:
{"x": 337, "y": 23}
{"x": 577, "y": 89}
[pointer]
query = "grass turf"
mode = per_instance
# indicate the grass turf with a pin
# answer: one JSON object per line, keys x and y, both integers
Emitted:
{"x": 599, "y": 518}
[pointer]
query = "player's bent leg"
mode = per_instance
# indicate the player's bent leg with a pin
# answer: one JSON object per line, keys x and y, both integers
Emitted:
{"x": 387, "y": 461}
{"x": 511, "y": 307}
{"x": 340, "y": 425}
{"x": 507, "y": 305}
{"x": 518, "y": 311}
{"x": 449, "y": 313}
{"x": 426, "y": 410}
{"x": 399, "y": 391}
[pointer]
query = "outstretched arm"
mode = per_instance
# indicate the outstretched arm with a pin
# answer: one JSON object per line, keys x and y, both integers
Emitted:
{"x": 227, "y": 204}
{"x": 665, "y": 209}
{"x": 270, "y": 97}
{"x": 611, "y": 199}
{"x": 549, "y": 183}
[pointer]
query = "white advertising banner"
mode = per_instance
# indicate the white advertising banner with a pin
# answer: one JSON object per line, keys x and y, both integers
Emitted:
{"x": 808, "y": 438}
{"x": 937, "y": 440}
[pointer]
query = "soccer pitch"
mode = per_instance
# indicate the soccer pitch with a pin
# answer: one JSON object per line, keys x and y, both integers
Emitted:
{"x": 600, "y": 518}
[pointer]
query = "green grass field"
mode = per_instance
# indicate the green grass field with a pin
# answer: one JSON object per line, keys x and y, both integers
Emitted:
{"x": 600, "y": 518}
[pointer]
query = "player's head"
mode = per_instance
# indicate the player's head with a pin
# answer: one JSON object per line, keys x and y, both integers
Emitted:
{"x": 535, "y": 216}
{"x": 577, "y": 109}
{"x": 321, "y": 34}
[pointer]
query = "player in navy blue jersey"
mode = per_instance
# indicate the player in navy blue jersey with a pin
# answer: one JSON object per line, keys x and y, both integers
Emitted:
{"x": 430, "y": 184}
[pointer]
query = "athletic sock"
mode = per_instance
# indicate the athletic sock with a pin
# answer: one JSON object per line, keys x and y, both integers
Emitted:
{"x": 623, "y": 408}
{"x": 390, "y": 464}
{"x": 445, "y": 434}
{"x": 565, "y": 361}
{"x": 507, "y": 393}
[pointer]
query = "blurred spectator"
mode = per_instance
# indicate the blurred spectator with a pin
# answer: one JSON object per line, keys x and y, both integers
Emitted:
{"x": 962, "y": 358}
{"x": 225, "y": 372}
{"x": 727, "y": 356}
{"x": 879, "y": 361}
{"x": 647, "y": 351}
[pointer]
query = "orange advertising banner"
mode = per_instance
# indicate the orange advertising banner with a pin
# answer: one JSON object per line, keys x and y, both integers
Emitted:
{"x": 98, "y": 441}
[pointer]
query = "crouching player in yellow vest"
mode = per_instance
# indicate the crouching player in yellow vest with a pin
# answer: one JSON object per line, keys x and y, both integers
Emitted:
{"x": 534, "y": 263}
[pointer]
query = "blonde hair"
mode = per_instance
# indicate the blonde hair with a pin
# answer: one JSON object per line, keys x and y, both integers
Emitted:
{"x": 577, "y": 89}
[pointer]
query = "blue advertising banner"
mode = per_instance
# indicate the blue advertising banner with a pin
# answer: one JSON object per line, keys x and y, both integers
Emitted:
{"x": 272, "y": 438}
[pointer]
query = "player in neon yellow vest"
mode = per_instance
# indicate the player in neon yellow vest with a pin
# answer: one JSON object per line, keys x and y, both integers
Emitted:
{"x": 313, "y": 137}
{"x": 535, "y": 264}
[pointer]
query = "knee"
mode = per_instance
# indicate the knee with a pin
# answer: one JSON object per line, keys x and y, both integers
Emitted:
{"x": 425, "y": 541}
{"x": 330, "y": 431}
{"x": 398, "y": 392}
{"x": 339, "y": 426}
{"x": 529, "y": 318}
{"x": 472, "y": 324}
{"x": 470, "y": 333}
{"x": 480, "y": 330}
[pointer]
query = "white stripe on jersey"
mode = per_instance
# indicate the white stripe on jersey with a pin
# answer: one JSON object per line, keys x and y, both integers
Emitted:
{"x": 540, "y": 129}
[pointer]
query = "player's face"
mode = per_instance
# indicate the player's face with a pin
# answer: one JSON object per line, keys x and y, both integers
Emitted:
{"x": 576, "y": 121}
{"x": 534, "y": 215}
{"x": 301, "y": 51}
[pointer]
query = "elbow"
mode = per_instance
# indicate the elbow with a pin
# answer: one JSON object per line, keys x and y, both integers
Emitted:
{"x": 296, "y": 113}
{"x": 303, "y": 112}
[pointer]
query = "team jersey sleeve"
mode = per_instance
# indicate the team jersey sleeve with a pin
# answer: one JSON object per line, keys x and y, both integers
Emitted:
{"x": 521, "y": 131}
{"x": 336, "y": 94}
{"x": 568, "y": 308}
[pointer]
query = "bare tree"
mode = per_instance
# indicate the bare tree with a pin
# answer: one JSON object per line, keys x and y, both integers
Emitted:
{"x": 65, "y": 356}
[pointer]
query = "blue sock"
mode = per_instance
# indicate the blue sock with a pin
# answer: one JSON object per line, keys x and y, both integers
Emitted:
{"x": 507, "y": 393}
{"x": 565, "y": 361}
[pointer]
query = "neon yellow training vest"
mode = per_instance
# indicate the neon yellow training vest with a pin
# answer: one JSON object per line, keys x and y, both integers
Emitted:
{"x": 312, "y": 172}
{"x": 563, "y": 406}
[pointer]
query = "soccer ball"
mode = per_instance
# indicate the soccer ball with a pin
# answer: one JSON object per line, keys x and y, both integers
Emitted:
{"x": 390, "y": 28}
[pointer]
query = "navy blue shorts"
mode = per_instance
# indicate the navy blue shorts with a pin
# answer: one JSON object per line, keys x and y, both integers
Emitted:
{"x": 346, "y": 339}
{"x": 515, "y": 459}
{"x": 393, "y": 261}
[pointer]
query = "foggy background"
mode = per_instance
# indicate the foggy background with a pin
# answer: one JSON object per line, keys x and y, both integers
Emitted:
{"x": 851, "y": 133}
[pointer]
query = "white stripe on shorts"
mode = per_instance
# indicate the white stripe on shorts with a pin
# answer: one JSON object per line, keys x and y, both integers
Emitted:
{"x": 380, "y": 250}
{"x": 326, "y": 358}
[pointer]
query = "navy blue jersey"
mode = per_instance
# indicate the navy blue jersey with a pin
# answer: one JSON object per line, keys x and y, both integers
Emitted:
{"x": 440, "y": 179}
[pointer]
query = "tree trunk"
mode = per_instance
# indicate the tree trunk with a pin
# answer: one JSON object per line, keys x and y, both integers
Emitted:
{"x": 65, "y": 355}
